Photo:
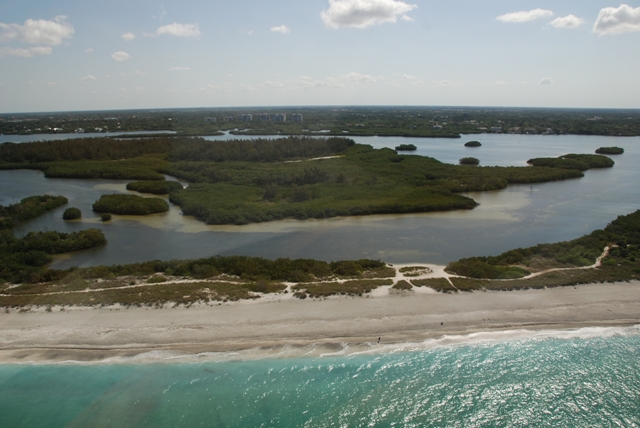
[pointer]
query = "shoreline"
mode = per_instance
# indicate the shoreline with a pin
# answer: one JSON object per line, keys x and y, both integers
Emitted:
{"x": 312, "y": 327}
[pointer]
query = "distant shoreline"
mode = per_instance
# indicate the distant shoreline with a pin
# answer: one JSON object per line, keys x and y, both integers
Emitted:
{"x": 285, "y": 326}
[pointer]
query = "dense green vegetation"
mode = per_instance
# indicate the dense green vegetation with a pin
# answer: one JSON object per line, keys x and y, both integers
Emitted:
{"x": 71, "y": 214}
{"x": 610, "y": 151}
{"x": 406, "y": 147}
{"x": 469, "y": 161}
{"x": 472, "y": 144}
{"x": 239, "y": 182}
{"x": 129, "y": 205}
{"x": 163, "y": 187}
{"x": 28, "y": 208}
{"x": 623, "y": 232}
{"x": 105, "y": 217}
{"x": 574, "y": 161}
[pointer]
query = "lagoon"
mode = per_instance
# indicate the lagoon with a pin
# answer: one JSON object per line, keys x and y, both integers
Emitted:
{"x": 518, "y": 216}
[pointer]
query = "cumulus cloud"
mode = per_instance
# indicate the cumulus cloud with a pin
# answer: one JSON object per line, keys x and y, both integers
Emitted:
{"x": 89, "y": 50}
{"x": 545, "y": 81}
{"x": 569, "y": 21}
{"x": 128, "y": 36}
{"x": 25, "y": 53}
{"x": 38, "y": 31}
{"x": 524, "y": 16}
{"x": 89, "y": 77}
{"x": 283, "y": 29}
{"x": 364, "y": 13}
{"x": 179, "y": 30}
{"x": 120, "y": 56}
{"x": 179, "y": 69}
{"x": 623, "y": 19}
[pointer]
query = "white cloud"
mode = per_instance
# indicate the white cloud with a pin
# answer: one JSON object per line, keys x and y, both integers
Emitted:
{"x": 623, "y": 19}
{"x": 128, "y": 36}
{"x": 38, "y": 32}
{"x": 120, "y": 56}
{"x": 545, "y": 81}
{"x": 524, "y": 16}
{"x": 361, "y": 78}
{"x": 447, "y": 83}
{"x": 180, "y": 30}
{"x": 89, "y": 77}
{"x": 283, "y": 29}
{"x": 413, "y": 79}
{"x": 501, "y": 83}
{"x": 90, "y": 50}
{"x": 25, "y": 53}
{"x": 364, "y": 13}
{"x": 51, "y": 84}
{"x": 569, "y": 21}
{"x": 406, "y": 18}
{"x": 179, "y": 69}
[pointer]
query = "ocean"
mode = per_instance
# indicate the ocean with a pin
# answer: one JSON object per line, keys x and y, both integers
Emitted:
{"x": 555, "y": 378}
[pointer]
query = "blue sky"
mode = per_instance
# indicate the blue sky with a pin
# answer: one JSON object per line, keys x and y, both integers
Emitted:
{"x": 86, "y": 55}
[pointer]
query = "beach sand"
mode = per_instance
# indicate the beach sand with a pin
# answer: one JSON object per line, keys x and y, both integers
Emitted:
{"x": 283, "y": 322}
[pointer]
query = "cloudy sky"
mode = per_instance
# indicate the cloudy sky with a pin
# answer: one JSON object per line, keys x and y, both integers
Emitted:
{"x": 88, "y": 55}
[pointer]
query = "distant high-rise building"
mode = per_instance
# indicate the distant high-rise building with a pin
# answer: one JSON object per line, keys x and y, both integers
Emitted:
{"x": 280, "y": 117}
{"x": 246, "y": 117}
{"x": 210, "y": 119}
{"x": 264, "y": 117}
{"x": 296, "y": 117}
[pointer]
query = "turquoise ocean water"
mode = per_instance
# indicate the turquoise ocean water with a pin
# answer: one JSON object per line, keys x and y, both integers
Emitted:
{"x": 587, "y": 377}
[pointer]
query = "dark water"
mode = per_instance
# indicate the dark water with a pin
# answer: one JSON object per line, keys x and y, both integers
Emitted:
{"x": 519, "y": 216}
{"x": 53, "y": 137}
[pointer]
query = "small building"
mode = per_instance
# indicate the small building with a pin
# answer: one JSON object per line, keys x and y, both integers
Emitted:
{"x": 496, "y": 129}
{"x": 437, "y": 127}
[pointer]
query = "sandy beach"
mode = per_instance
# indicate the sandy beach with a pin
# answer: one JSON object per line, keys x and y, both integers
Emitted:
{"x": 95, "y": 334}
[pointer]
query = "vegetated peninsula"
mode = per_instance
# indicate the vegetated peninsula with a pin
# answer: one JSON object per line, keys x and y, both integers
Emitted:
{"x": 406, "y": 148}
{"x": 248, "y": 181}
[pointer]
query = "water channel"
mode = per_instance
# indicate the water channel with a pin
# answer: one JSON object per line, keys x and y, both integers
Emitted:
{"x": 518, "y": 216}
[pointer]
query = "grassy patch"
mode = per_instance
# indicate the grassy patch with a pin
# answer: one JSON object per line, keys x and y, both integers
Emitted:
{"x": 402, "y": 285}
{"x": 349, "y": 288}
{"x": 441, "y": 285}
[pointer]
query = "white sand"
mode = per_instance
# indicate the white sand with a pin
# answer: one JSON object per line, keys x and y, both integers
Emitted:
{"x": 98, "y": 333}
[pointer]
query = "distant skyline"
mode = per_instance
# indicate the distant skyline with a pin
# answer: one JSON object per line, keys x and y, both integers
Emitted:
{"x": 83, "y": 55}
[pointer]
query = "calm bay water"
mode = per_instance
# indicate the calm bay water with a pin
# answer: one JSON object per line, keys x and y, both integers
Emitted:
{"x": 519, "y": 216}
{"x": 583, "y": 378}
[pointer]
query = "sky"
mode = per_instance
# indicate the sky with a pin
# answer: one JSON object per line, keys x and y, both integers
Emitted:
{"x": 71, "y": 55}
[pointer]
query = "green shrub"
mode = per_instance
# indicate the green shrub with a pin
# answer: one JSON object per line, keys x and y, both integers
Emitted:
{"x": 406, "y": 147}
{"x": 71, "y": 214}
{"x": 472, "y": 144}
{"x": 105, "y": 217}
{"x": 469, "y": 161}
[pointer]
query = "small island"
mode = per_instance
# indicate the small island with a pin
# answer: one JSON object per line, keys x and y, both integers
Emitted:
{"x": 610, "y": 151}
{"x": 473, "y": 144}
{"x": 469, "y": 161}
{"x": 574, "y": 161}
{"x": 406, "y": 148}
{"x": 71, "y": 213}
{"x": 130, "y": 205}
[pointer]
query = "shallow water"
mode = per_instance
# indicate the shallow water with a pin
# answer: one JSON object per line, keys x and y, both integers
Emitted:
{"x": 587, "y": 377}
